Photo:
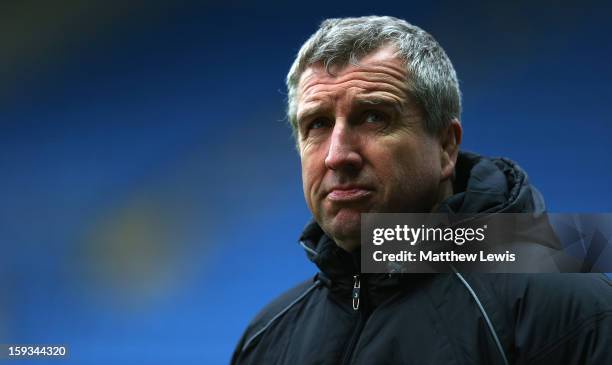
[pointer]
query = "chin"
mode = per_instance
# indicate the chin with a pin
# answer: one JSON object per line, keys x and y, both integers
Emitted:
{"x": 346, "y": 225}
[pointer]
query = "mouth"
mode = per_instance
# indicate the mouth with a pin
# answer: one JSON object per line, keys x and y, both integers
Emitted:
{"x": 348, "y": 194}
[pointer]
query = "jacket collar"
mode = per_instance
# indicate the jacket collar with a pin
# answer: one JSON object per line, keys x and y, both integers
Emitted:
{"x": 481, "y": 185}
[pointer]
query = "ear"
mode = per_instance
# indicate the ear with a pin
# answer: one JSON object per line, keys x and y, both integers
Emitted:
{"x": 450, "y": 139}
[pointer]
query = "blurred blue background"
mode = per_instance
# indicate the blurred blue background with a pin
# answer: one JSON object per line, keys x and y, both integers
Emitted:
{"x": 151, "y": 196}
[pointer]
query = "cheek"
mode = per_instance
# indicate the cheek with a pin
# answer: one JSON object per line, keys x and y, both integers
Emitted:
{"x": 405, "y": 170}
{"x": 390, "y": 164}
{"x": 311, "y": 179}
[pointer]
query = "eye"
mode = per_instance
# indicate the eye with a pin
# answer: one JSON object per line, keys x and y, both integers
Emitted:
{"x": 374, "y": 116}
{"x": 315, "y": 127}
{"x": 319, "y": 123}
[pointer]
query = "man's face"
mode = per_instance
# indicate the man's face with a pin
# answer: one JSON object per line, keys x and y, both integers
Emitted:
{"x": 363, "y": 145}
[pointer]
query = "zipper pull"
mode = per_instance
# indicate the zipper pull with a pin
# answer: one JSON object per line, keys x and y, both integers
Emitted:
{"x": 356, "y": 289}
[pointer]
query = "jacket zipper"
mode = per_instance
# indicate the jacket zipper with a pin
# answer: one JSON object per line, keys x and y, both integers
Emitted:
{"x": 356, "y": 296}
{"x": 356, "y": 292}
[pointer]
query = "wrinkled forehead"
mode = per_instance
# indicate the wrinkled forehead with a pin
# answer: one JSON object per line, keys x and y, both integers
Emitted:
{"x": 384, "y": 59}
{"x": 380, "y": 75}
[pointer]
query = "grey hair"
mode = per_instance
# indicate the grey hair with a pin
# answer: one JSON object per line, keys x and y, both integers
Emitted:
{"x": 431, "y": 77}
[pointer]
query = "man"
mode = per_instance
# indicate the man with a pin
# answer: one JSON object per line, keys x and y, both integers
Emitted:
{"x": 375, "y": 106}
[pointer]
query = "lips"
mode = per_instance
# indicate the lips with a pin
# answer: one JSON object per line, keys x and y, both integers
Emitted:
{"x": 348, "y": 194}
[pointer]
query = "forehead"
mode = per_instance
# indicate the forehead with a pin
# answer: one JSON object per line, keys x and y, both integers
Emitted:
{"x": 380, "y": 73}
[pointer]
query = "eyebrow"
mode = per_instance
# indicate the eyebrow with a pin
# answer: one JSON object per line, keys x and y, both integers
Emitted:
{"x": 378, "y": 101}
{"x": 358, "y": 102}
{"x": 307, "y": 113}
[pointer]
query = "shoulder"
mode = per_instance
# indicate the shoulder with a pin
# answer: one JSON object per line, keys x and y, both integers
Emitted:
{"x": 585, "y": 290}
{"x": 575, "y": 296}
{"x": 274, "y": 311}
{"x": 554, "y": 316}
{"x": 282, "y": 303}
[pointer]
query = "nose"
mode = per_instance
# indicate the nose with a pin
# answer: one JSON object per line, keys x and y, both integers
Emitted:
{"x": 343, "y": 153}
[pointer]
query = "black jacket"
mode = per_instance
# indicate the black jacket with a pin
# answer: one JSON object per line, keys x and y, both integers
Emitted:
{"x": 344, "y": 317}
